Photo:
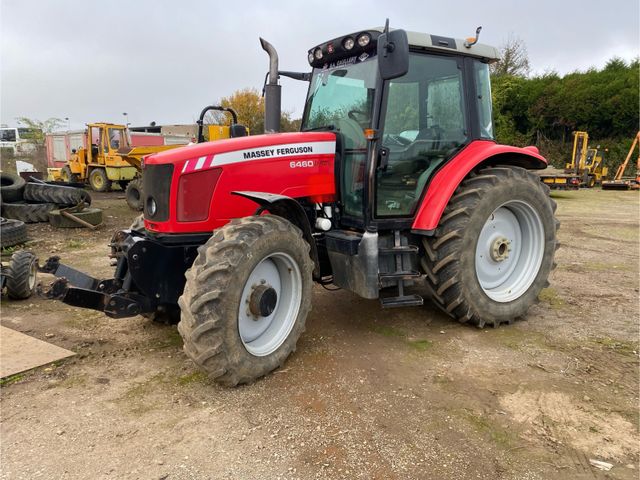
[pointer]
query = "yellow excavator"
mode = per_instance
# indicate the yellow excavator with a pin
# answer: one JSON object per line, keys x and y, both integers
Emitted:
{"x": 108, "y": 157}
{"x": 586, "y": 168}
{"x": 620, "y": 182}
{"x": 586, "y": 163}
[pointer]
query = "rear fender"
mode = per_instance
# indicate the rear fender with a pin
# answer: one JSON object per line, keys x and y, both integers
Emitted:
{"x": 477, "y": 154}
{"x": 290, "y": 209}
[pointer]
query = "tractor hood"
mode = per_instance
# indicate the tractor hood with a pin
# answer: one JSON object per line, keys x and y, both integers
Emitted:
{"x": 234, "y": 150}
{"x": 193, "y": 189}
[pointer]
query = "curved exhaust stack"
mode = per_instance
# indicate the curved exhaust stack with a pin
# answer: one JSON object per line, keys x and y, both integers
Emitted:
{"x": 272, "y": 91}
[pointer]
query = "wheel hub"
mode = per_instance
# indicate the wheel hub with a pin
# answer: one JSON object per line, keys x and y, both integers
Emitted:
{"x": 500, "y": 248}
{"x": 269, "y": 303}
{"x": 509, "y": 251}
{"x": 262, "y": 301}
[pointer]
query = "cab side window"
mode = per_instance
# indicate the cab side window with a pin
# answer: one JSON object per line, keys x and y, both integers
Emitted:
{"x": 424, "y": 124}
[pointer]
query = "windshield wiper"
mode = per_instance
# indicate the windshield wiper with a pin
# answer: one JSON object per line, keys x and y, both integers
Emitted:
{"x": 329, "y": 127}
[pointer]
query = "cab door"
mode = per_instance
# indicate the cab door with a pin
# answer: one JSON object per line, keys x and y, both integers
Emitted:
{"x": 424, "y": 122}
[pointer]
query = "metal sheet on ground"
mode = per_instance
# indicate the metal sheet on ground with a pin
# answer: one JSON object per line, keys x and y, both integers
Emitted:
{"x": 20, "y": 352}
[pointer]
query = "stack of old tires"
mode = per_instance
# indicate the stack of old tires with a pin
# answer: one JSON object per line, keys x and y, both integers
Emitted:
{"x": 34, "y": 202}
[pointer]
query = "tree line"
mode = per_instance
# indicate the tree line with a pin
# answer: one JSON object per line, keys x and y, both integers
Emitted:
{"x": 544, "y": 110}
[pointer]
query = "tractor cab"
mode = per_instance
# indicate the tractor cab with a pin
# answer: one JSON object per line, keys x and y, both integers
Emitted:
{"x": 396, "y": 127}
{"x": 105, "y": 140}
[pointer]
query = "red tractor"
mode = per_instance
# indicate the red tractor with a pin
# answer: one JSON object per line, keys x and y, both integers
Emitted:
{"x": 394, "y": 178}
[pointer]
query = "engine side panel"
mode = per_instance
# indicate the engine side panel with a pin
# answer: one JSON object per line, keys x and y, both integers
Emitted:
{"x": 445, "y": 182}
{"x": 297, "y": 165}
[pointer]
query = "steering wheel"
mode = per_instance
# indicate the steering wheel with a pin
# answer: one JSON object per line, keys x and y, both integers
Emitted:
{"x": 397, "y": 140}
{"x": 353, "y": 115}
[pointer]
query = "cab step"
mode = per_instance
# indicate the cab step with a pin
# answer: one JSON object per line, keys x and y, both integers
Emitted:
{"x": 400, "y": 274}
{"x": 398, "y": 249}
{"x": 403, "y": 301}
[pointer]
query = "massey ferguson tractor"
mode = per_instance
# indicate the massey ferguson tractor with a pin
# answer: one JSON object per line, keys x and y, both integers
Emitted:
{"x": 395, "y": 178}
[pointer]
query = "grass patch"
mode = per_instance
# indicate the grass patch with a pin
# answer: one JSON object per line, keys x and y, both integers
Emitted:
{"x": 8, "y": 251}
{"x": 420, "y": 345}
{"x": 74, "y": 381}
{"x": 629, "y": 349}
{"x": 4, "y": 382}
{"x": 195, "y": 377}
{"x": 387, "y": 331}
{"x": 605, "y": 267}
{"x": 551, "y": 297}
{"x": 496, "y": 433}
{"x": 75, "y": 243}
{"x": 172, "y": 339}
{"x": 517, "y": 339}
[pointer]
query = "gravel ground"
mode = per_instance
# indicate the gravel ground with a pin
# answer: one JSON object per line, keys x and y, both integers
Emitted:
{"x": 370, "y": 393}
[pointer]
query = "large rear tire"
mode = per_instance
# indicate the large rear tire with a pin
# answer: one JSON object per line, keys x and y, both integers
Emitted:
{"x": 58, "y": 194}
{"x": 12, "y": 232}
{"x": 246, "y": 299}
{"x": 28, "y": 212}
{"x": 11, "y": 187}
{"x": 493, "y": 250}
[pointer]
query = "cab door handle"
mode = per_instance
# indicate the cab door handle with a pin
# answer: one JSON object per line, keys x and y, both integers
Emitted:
{"x": 383, "y": 159}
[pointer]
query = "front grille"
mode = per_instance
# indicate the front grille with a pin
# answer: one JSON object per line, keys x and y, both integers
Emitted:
{"x": 156, "y": 184}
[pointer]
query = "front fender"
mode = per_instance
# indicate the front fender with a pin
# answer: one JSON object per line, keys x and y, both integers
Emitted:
{"x": 477, "y": 154}
{"x": 289, "y": 208}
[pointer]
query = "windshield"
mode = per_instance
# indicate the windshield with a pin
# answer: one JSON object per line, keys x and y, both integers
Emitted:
{"x": 117, "y": 139}
{"x": 340, "y": 94}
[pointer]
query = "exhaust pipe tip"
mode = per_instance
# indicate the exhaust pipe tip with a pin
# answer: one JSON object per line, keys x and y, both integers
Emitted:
{"x": 271, "y": 91}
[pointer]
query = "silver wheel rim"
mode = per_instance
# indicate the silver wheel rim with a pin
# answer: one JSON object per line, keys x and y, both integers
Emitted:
{"x": 263, "y": 335}
{"x": 509, "y": 251}
{"x": 32, "y": 275}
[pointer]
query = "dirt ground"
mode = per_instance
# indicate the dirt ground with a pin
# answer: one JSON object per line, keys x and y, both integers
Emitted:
{"x": 370, "y": 393}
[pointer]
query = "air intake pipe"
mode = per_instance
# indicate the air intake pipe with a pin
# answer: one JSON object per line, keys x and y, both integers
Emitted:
{"x": 272, "y": 91}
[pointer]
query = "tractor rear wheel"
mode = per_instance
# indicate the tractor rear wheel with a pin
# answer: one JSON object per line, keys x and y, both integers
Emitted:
{"x": 493, "y": 249}
{"x": 246, "y": 299}
{"x": 99, "y": 181}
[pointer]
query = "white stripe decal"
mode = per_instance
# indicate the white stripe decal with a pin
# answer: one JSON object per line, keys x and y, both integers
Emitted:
{"x": 275, "y": 151}
{"x": 186, "y": 164}
{"x": 200, "y": 163}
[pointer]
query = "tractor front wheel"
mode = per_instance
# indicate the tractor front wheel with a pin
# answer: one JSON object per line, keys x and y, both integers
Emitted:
{"x": 246, "y": 299}
{"x": 133, "y": 194}
{"x": 493, "y": 249}
{"x": 68, "y": 177}
{"x": 99, "y": 181}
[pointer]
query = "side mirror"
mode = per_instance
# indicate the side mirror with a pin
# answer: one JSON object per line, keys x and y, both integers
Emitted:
{"x": 393, "y": 54}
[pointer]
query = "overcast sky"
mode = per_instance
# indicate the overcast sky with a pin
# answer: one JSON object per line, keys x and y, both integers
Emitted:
{"x": 162, "y": 60}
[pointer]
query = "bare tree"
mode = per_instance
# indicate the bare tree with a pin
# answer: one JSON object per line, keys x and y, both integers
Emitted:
{"x": 514, "y": 59}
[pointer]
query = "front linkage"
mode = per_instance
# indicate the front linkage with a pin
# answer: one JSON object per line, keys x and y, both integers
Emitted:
{"x": 149, "y": 276}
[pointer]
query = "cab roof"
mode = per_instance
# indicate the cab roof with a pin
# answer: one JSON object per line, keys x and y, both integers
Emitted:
{"x": 449, "y": 44}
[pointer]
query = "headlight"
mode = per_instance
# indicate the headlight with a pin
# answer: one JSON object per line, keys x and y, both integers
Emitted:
{"x": 318, "y": 53}
{"x": 364, "y": 39}
{"x": 311, "y": 57}
{"x": 348, "y": 43}
{"x": 152, "y": 207}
